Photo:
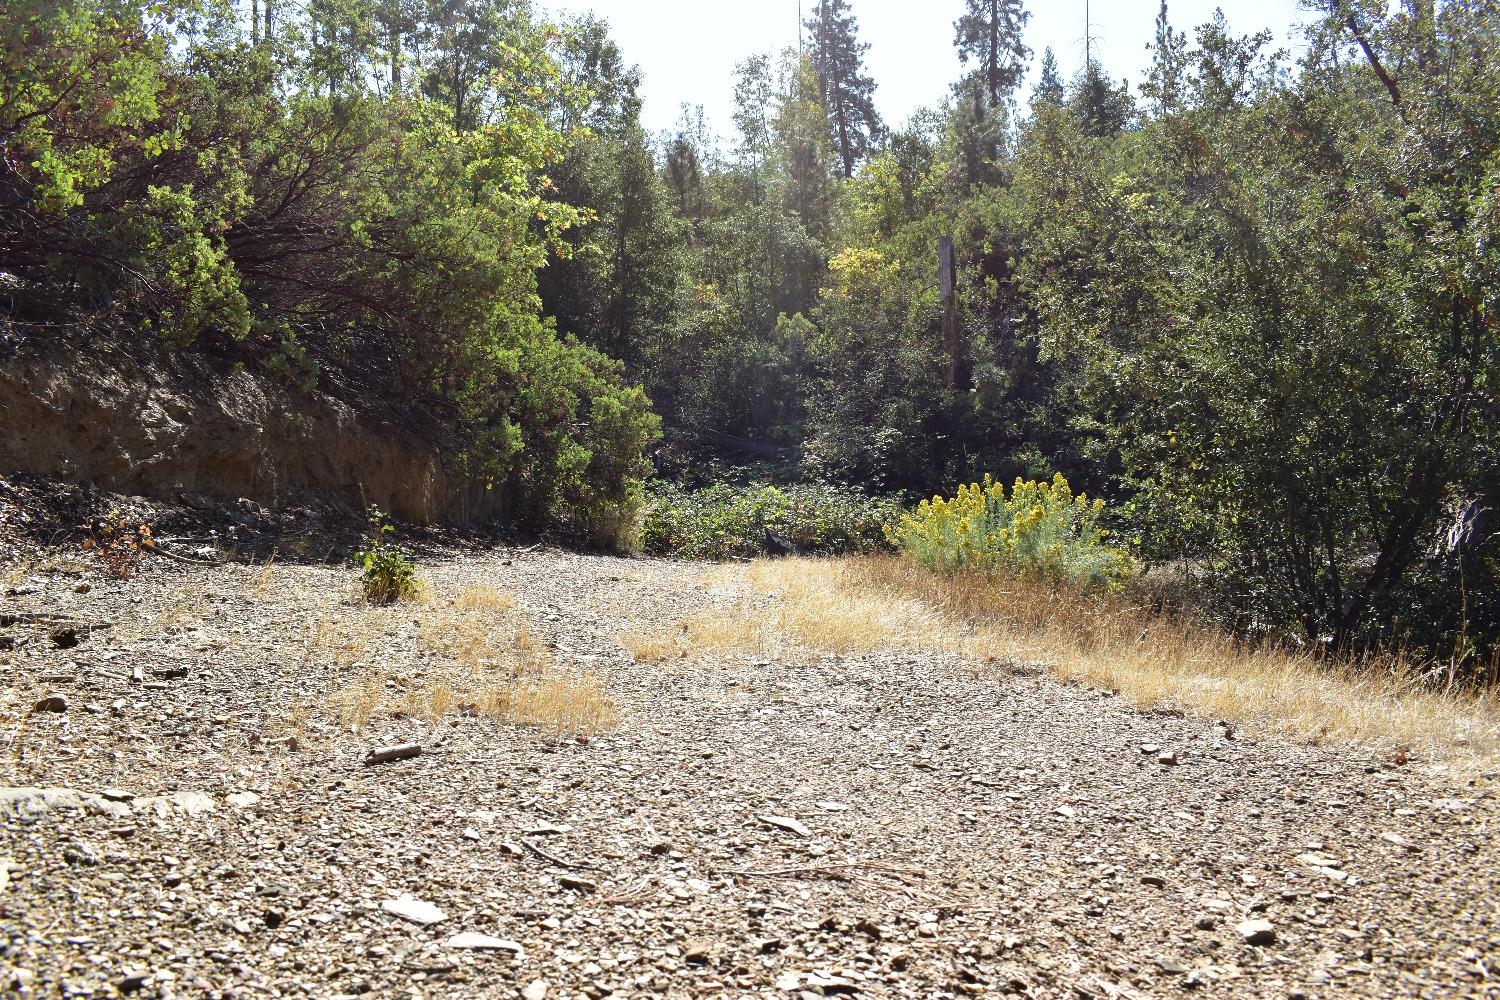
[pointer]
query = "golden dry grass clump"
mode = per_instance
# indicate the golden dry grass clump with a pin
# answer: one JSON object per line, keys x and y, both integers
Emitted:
{"x": 1112, "y": 641}
{"x": 488, "y": 665}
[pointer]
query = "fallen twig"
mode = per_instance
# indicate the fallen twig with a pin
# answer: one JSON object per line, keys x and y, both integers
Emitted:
{"x": 635, "y": 894}
{"x": 835, "y": 870}
{"x": 158, "y": 550}
{"x": 10, "y": 618}
{"x": 554, "y": 859}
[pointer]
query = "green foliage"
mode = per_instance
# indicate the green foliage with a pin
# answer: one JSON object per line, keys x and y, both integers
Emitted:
{"x": 360, "y": 199}
{"x": 1271, "y": 308}
{"x": 387, "y": 571}
{"x": 1040, "y": 529}
{"x": 726, "y": 520}
{"x": 847, "y": 93}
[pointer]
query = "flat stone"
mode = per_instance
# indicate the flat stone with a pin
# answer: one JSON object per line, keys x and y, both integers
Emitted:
{"x": 418, "y": 911}
{"x": 535, "y": 990}
{"x": 27, "y": 802}
{"x": 545, "y": 829}
{"x": 787, "y": 823}
{"x": 54, "y": 703}
{"x": 474, "y": 941}
{"x": 242, "y": 800}
{"x": 1400, "y": 841}
{"x": 188, "y": 803}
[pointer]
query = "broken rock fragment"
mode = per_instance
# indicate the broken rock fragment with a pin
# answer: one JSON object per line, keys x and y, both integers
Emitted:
{"x": 418, "y": 911}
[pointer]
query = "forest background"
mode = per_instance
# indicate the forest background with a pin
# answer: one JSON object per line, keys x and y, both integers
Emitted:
{"x": 1251, "y": 301}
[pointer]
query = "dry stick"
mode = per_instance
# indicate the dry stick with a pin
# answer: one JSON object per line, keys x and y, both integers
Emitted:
{"x": 35, "y": 618}
{"x": 838, "y": 869}
{"x": 155, "y": 550}
{"x": 554, "y": 859}
{"x": 635, "y": 894}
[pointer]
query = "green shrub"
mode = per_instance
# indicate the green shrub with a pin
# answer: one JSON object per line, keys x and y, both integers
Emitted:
{"x": 725, "y": 520}
{"x": 389, "y": 573}
{"x": 1041, "y": 529}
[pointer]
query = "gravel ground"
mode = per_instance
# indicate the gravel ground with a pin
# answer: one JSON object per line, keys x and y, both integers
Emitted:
{"x": 936, "y": 828}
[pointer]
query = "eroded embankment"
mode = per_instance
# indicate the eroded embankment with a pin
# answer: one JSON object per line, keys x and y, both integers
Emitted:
{"x": 193, "y": 425}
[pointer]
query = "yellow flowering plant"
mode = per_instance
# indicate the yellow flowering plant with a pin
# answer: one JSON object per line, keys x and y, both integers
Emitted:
{"x": 1041, "y": 528}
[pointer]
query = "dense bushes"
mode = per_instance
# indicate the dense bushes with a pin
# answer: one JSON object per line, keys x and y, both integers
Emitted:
{"x": 1277, "y": 309}
{"x": 345, "y": 216}
{"x": 726, "y": 520}
{"x": 1040, "y": 529}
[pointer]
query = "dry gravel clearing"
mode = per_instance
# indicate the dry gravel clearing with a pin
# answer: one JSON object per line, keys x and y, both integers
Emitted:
{"x": 741, "y": 824}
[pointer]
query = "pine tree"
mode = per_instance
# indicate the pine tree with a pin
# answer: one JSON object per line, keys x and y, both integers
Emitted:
{"x": 1165, "y": 79}
{"x": 847, "y": 92}
{"x": 1105, "y": 108}
{"x": 803, "y": 148}
{"x": 1049, "y": 88}
{"x": 989, "y": 35}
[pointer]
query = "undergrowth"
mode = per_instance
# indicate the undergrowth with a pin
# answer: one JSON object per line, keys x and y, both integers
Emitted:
{"x": 725, "y": 520}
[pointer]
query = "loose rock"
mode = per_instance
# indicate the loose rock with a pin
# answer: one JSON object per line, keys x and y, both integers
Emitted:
{"x": 1257, "y": 932}
{"x": 418, "y": 911}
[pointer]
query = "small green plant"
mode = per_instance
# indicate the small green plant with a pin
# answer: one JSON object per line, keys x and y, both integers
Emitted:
{"x": 292, "y": 363}
{"x": 1040, "y": 529}
{"x": 389, "y": 574}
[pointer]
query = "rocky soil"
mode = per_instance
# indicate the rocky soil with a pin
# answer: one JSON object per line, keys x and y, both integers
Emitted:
{"x": 188, "y": 814}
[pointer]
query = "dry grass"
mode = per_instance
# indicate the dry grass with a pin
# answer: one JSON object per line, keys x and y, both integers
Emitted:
{"x": 557, "y": 701}
{"x": 481, "y": 597}
{"x": 264, "y": 580}
{"x": 462, "y": 639}
{"x": 492, "y": 667}
{"x": 343, "y": 636}
{"x": 1108, "y": 641}
{"x": 356, "y": 704}
{"x": 649, "y": 648}
{"x": 62, "y": 563}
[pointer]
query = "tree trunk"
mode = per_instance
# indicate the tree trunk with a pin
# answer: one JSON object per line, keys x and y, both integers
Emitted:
{"x": 993, "y": 67}
{"x": 395, "y": 56}
{"x": 842, "y": 116}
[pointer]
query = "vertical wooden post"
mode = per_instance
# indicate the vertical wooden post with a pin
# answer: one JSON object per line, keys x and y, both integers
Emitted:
{"x": 958, "y": 370}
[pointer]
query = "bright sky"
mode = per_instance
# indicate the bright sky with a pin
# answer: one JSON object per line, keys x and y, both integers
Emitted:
{"x": 687, "y": 49}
